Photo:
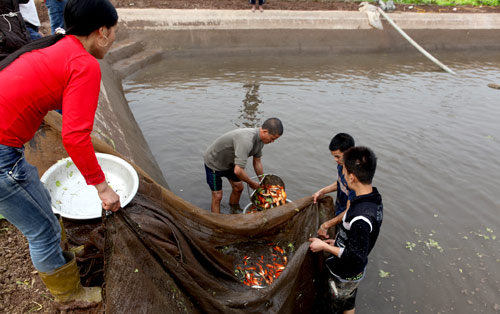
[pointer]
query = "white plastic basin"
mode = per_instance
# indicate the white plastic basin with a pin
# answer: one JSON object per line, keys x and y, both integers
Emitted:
{"x": 73, "y": 198}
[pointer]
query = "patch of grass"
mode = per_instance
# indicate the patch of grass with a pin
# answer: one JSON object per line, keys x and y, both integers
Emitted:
{"x": 451, "y": 2}
{"x": 2, "y": 217}
{"x": 430, "y": 2}
{"x": 25, "y": 282}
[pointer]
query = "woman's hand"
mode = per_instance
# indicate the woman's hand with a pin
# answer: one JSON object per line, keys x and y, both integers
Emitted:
{"x": 110, "y": 200}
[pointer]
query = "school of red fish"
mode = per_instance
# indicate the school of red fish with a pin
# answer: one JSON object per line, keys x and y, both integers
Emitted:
{"x": 261, "y": 271}
{"x": 267, "y": 196}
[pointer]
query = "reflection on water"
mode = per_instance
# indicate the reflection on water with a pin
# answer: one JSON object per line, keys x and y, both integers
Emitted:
{"x": 437, "y": 138}
{"x": 250, "y": 116}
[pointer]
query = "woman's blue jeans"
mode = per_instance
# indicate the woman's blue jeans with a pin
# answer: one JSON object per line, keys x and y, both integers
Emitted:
{"x": 25, "y": 203}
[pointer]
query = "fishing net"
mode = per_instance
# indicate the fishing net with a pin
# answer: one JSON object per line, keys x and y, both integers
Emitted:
{"x": 174, "y": 256}
{"x": 162, "y": 254}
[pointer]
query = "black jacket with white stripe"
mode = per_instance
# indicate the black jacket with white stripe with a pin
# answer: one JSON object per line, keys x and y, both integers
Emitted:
{"x": 357, "y": 236}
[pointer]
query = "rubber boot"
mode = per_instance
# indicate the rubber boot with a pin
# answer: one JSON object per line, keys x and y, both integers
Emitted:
{"x": 64, "y": 283}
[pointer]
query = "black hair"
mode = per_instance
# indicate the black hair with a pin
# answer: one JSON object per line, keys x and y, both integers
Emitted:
{"x": 342, "y": 142}
{"x": 362, "y": 162}
{"x": 81, "y": 17}
{"x": 274, "y": 126}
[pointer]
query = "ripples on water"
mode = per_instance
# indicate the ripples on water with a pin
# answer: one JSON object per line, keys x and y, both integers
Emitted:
{"x": 436, "y": 136}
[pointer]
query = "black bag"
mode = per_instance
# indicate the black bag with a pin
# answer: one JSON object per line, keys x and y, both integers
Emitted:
{"x": 13, "y": 32}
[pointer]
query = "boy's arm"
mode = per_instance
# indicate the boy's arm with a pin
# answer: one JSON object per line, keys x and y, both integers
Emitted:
{"x": 323, "y": 229}
{"x": 327, "y": 189}
{"x": 318, "y": 245}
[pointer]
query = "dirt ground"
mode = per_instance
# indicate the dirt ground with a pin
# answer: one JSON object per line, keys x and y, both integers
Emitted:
{"x": 21, "y": 289}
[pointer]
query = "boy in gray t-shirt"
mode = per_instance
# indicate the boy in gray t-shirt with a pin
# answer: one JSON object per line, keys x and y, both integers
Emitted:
{"x": 227, "y": 157}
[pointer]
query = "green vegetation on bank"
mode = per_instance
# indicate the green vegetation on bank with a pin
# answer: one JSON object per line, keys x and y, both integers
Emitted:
{"x": 491, "y": 3}
{"x": 451, "y": 2}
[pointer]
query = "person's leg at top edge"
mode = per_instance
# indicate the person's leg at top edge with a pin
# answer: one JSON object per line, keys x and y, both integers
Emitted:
{"x": 56, "y": 12}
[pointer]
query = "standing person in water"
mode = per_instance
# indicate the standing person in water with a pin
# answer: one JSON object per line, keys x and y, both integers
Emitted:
{"x": 55, "y": 72}
{"x": 338, "y": 145}
{"x": 359, "y": 229}
{"x": 227, "y": 157}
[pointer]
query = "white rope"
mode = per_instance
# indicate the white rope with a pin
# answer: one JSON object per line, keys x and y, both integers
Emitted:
{"x": 374, "y": 13}
{"x": 411, "y": 41}
{"x": 10, "y": 14}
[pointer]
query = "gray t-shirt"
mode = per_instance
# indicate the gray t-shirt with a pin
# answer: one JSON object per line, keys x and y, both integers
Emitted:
{"x": 233, "y": 148}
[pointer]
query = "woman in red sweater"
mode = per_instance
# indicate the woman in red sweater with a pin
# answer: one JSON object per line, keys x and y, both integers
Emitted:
{"x": 55, "y": 72}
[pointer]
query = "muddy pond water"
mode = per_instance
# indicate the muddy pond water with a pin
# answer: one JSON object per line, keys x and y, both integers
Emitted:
{"x": 437, "y": 138}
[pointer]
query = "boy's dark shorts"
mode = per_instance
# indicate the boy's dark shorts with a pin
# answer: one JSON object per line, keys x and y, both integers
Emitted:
{"x": 338, "y": 306}
{"x": 214, "y": 177}
{"x": 350, "y": 302}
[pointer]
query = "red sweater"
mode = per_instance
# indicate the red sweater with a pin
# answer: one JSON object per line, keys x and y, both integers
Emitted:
{"x": 65, "y": 76}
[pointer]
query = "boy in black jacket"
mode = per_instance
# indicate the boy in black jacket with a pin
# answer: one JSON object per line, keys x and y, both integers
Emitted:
{"x": 359, "y": 228}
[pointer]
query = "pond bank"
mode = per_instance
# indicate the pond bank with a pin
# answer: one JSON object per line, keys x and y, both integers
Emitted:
{"x": 186, "y": 32}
